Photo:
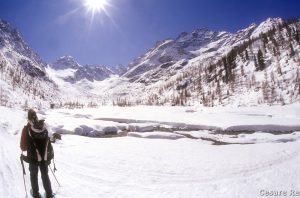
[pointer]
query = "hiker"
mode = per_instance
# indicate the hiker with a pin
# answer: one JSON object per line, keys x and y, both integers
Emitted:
{"x": 35, "y": 140}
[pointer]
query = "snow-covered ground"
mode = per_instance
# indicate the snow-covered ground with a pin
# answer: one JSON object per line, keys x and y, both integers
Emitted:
{"x": 262, "y": 118}
{"x": 169, "y": 163}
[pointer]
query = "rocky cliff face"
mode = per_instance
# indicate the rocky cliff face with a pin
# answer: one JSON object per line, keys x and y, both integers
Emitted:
{"x": 14, "y": 48}
{"x": 23, "y": 77}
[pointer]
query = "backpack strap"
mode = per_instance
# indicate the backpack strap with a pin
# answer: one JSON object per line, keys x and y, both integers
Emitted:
{"x": 46, "y": 150}
{"x": 34, "y": 144}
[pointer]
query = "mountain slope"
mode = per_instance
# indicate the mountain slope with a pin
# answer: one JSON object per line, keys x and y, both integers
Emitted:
{"x": 259, "y": 64}
{"x": 83, "y": 83}
{"x": 168, "y": 56}
{"x": 23, "y": 77}
{"x": 80, "y": 72}
{"x": 256, "y": 65}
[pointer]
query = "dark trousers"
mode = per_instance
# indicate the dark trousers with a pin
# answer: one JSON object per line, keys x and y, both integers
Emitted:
{"x": 34, "y": 168}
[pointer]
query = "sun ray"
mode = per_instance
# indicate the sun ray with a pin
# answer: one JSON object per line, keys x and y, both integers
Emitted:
{"x": 95, "y": 5}
{"x": 64, "y": 18}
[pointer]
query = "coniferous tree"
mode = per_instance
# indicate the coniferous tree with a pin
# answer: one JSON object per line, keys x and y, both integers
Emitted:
{"x": 1, "y": 95}
{"x": 274, "y": 42}
{"x": 274, "y": 51}
{"x": 232, "y": 81}
{"x": 246, "y": 55}
{"x": 260, "y": 61}
{"x": 2, "y": 65}
{"x": 273, "y": 98}
{"x": 292, "y": 51}
{"x": 255, "y": 63}
{"x": 289, "y": 31}
{"x": 297, "y": 36}
{"x": 279, "y": 70}
{"x": 265, "y": 41}
{"x": 281, "y": 99}
{"x": 253, "y": 80}
{"x": 226, "y": 69}
{"x": 297, "y": 81}
{"x": 242, "y": 71}
{"x": 265, "y": 91}
{"x": 218, "y": 90}
{"x": 3, "y": 98}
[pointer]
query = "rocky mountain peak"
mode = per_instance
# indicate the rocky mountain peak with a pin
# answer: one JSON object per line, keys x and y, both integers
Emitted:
{"x": 16, "y": 50}
{"x": 66, "y": 62}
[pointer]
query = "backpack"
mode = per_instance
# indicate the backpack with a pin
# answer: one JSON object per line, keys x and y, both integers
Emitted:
{"x": 32, "y": 149}
{"x": 39, "y": 145}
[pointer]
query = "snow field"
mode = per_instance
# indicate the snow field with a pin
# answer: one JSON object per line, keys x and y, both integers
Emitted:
{"x": 163, "y": 166}
{"x": 130, "y": 167}
{"x": 149, "y": 119}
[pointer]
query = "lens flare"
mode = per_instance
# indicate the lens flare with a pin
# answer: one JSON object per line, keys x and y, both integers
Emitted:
{"x": 95, "y": 5}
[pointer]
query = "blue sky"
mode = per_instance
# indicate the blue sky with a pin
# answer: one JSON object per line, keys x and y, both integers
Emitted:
{"x": 54, "y": 28}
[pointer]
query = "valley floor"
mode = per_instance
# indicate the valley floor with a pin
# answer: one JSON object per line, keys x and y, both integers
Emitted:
{"x": 163, "y": 163}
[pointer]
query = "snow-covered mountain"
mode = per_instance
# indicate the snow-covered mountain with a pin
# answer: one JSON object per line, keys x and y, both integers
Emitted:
{"x": 119, "y": 69}
{"x": 23, "y": 78}
{"x": 65, "y": 62}
{"x": 15, "y": 50}
{"x": 80, "y": 72}
{"x": 169, "y": 56}
{"x": 83, "y": 83}
{"x": 258, "y": 64}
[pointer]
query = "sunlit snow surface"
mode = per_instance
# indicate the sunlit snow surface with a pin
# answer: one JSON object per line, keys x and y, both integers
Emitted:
{"x": 157, "y": 164}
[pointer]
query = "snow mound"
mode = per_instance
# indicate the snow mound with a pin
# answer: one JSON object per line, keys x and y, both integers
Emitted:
{"x": 265, "y": 128}
{"x": 156, "y": 135}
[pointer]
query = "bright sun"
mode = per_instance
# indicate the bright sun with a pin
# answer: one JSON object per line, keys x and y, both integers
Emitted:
{"x": 95, "y": 5}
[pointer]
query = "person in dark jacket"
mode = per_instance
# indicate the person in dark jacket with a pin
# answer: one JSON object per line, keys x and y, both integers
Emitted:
{"x": 35, "y": 141}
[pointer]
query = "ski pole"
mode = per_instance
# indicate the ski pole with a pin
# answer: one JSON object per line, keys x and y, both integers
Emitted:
{"x": 54, "y": 176}
{"x": 25, "y": 185}
{"x": 24, "y": 173}
{"x": 21, "y": 158}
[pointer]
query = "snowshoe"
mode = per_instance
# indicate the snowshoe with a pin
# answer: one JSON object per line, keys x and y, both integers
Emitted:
{"x": 35, "y": 196}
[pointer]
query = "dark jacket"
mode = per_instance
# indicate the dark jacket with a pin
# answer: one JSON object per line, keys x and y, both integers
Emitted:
{"x": 37, "y": 144}
{"x": 23, "y": 142}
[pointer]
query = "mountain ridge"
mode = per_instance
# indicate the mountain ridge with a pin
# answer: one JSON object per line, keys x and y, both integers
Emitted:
{"x": 198, "y": 67}
{"x": 87, "y": 71}
{"x": 23, "y": 78}
{"x": 267, "y": 47}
